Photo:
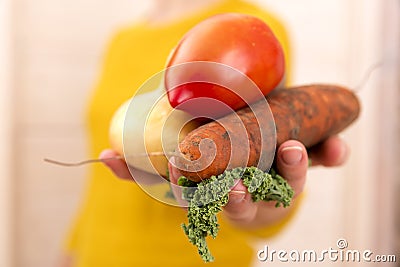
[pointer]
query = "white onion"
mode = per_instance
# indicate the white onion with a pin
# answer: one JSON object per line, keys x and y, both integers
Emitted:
{"x": 146, "y": 124}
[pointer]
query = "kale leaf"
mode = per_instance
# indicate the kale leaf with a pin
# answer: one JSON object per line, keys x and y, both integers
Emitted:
{"x": 208, "y": 197}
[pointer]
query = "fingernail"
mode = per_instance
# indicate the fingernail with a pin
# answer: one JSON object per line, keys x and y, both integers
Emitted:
{"x": 292, "y": 155}
{"x": 172, "y": 160}
{"x": 236, "y": 196}
{"x": 104, "y": 154}
{"x": 174, "y": 173}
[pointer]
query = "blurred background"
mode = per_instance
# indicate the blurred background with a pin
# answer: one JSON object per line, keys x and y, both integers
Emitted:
{"x": 50, "y": 56}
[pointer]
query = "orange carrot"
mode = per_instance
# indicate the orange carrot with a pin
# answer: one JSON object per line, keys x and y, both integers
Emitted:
{"x": 309, "y": 114}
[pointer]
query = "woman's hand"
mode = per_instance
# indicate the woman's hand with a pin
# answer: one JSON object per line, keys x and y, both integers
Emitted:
{"x": 117, "y": 166}
{"x": 292, "y": 164}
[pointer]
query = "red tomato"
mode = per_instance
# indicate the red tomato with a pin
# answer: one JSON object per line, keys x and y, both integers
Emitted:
{"x": 242, "y": 45}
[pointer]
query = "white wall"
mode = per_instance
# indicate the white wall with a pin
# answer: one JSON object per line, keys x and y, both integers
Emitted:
{"x": 56, "y": 63}
{"x": 336, "y": 42}
{"x": 58, "y": 49}
{"x": 5, "y": 134}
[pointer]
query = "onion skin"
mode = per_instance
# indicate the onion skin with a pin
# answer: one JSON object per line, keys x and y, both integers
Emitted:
{"x": 148, "y": 125}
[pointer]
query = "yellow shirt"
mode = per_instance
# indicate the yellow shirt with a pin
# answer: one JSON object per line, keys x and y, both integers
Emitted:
{"x": 119, "y": 224}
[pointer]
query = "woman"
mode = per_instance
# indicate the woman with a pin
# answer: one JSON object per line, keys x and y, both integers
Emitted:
{"x": 119, "y": 224}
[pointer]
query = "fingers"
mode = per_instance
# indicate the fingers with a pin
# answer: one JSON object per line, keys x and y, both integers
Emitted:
{"x": 292, "y": 164}
{"x": 116, "y": 165}
{"x": 174, "y": 175}
{"x": 332, "y": 152}
{"x": 240, "y": 208}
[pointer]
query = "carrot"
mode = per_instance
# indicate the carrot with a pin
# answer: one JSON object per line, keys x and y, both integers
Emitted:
{"x": 308, "y": 113}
